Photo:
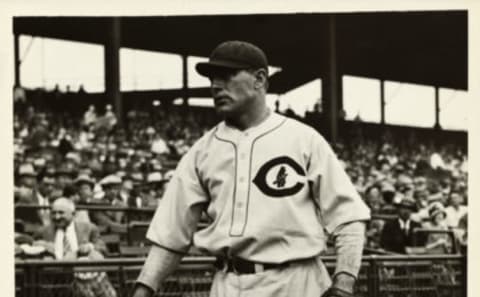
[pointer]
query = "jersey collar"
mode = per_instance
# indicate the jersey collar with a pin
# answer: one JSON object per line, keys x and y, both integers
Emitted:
{"x": 229, "y": 133}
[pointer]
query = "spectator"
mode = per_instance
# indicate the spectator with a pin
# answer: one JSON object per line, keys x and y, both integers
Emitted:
{"x": 398, "y": 234}
{"x": 456, "y": 210}
{"x": 90, "y": 116}
{"x": 373, "y": 199}
{"x": 64, "y": 177}
{"x": 84, "y": 186}
{"x": 388, "y": 194}
{"x": 28, "y": 193}
{"x": 159, "y": 145}
{"x": 47, "y": 188}
{"x": 113, "y": 221}
{"x": 110, "y": 117}
{"x": 155, "y": 184}
{"x": 66, "y": 238}
{"x": 438, "y": 243}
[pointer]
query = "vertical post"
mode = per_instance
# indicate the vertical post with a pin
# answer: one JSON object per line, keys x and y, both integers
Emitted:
{"x": 112, "y": 66}
{"x": 122, "y": 280}
{"x": 331, "y": 81}
{"x": 437, "y": 109}
{"x": 382, "y": 102}
{"x": 16, "y": 44}
{"x": 373, "y": 286}
{"x": 464, "y": 276}
{"x": 185, "y": 80}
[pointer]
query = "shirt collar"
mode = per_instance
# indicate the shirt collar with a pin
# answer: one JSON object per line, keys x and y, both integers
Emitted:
{"x": 404, "y": 224}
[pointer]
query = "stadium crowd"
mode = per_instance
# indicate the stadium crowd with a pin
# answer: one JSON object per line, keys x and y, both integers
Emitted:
{"x": 94, "y": 160}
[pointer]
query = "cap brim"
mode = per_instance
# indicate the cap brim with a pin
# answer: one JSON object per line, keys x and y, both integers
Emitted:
{"x": 408, "y": 206}
{"x": 210, "y": 68}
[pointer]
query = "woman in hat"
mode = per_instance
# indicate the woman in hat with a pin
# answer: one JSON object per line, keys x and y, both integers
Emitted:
{"x": 438, "y": 243}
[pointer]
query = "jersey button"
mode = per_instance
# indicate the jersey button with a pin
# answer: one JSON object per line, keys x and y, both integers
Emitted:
{"x": 243, "y": 156}
{"x": 239, "y": 204}
{"x": 241, "y": 179}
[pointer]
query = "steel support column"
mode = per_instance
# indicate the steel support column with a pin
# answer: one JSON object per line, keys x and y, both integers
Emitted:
{"x": 382, "y": 102}
{"x": 112, "y": 66}
{"x": 331, "y": 82}
{"x": 17, "y": 60}
{"x": 185, "y": 79}
{"x": 437, "y": 109}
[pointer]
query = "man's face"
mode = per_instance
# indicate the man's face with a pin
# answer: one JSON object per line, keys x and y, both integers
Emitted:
{"x": 28, "y": 181}
{"x": 47, "y": 186}
{"x": 62, "y": 215}
{"x": 85, "y": 191}
{"x": 233, "y": 91}
{"x": 63, "y": 180}
{"x": 456, "y": 199}
{"x": 111, "y": 191}
{"x": 404, "y": 213}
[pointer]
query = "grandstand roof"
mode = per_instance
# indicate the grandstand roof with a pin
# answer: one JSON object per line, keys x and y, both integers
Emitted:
{"x": 417, "y": 47}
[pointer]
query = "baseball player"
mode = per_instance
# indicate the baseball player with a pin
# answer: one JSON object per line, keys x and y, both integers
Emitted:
{"x": 272, "y": 188}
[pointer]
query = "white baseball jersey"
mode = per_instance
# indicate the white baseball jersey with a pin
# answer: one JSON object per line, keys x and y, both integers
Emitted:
{"x": 270, "y": 191}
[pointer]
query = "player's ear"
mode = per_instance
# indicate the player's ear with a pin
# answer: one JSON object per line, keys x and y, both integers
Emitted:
{"x": 261, "y": 77}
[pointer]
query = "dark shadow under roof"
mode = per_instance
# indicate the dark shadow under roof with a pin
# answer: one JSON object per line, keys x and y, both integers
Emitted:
{"x": 427, "y": 48}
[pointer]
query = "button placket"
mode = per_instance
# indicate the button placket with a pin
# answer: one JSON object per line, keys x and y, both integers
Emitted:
{"x": 240, "y": 207}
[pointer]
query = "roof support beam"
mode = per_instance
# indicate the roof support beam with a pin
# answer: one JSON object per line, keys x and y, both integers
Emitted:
{"x": 437, "y": 109}
{"x": 382, "y": 101}
{"x": 112, "y": 66}
{"x": 17, "y": 59}
{"x": 185, "y": 79}
{"x": 331, "y": 82}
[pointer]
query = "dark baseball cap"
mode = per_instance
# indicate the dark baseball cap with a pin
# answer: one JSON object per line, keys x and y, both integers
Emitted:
{"x": 233, "y": 55}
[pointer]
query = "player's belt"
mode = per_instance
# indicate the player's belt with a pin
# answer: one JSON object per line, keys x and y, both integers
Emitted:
{"x": 242, "y": 266}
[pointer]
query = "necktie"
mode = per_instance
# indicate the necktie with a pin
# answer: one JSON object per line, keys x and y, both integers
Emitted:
{"x": 66, "y": 244}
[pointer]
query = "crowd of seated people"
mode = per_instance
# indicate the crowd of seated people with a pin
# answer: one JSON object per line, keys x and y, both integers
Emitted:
{"x": 96, "y": 162}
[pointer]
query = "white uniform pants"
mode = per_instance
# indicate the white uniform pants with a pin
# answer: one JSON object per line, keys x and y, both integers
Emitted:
{"x": 306, "y": 278}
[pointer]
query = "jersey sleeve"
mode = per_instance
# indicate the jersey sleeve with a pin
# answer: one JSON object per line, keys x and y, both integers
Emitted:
{"x": 179, "y": 210}
{"x": 335, "y": 195}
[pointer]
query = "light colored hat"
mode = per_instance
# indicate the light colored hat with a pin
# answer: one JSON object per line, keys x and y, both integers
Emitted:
{"x": 434, "y": 211}
{"x": 84, "y": 178}
{"x": 27, "y": 170}
{"x": 154, "y": 177}
{"x": 407, "y": 202}
{"x": 75, "y": 157}
{"x": 39, "y": 162}
{"x": 387, "y": 187}
{"x": 111, "y": 179}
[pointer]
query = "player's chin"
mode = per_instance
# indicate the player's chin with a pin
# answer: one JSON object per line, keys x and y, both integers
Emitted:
{"x": 224, "y": 108}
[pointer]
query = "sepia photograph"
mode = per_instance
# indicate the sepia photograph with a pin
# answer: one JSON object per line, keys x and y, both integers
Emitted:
{"x": 260, "y": 154}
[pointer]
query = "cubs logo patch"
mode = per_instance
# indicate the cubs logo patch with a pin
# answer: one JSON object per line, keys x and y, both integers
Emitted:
{"x": 280, "y": 177}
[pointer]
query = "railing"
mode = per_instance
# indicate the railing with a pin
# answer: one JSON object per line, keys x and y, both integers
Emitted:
{"x": 130, "y": 211}
{"x": 413, "y": 276}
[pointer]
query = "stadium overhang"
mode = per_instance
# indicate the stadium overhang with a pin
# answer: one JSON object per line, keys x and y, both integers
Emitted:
{"x": 428, "y": 48}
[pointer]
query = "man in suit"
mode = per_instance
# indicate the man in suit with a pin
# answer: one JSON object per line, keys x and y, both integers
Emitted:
{"x": 398, "y": 234}
{"x": 68, "y": 239}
